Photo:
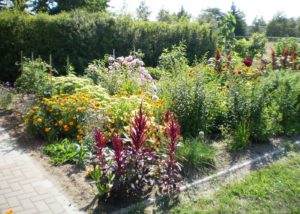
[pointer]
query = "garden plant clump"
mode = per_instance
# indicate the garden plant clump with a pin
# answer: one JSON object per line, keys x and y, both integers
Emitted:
{"x": 140, "y": 132}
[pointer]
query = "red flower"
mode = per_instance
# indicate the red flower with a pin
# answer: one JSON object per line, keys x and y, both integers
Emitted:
{"x": 248, "y": 62}
{"x": 119, "y": 154}
{"x": 138, "y": 130}
{"x": 101, "y": 142}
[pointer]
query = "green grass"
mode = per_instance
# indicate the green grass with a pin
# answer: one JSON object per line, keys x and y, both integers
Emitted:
{"x": 196, "y": 155}
{"x": 275, "y": 189}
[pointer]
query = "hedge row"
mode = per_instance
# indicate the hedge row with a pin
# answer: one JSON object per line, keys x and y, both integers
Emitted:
{"x": 83, "y": 36}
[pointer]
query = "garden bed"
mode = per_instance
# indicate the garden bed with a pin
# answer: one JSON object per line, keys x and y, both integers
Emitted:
{"x": 73, "y": 182}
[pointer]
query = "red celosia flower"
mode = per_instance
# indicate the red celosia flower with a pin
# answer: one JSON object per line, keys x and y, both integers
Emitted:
{"x": 273, "y": 58}
{"x": 101, "y": 142}
{"x": 138, "y": 130}
{"x": 119, "y": 154}
{"x": 218, "y": 54}
{"x": 173, "y": 133}
{"x": 248, "y": 62}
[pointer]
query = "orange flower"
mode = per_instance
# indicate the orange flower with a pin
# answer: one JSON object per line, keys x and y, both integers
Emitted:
{"x": 10, "y": 211}
{"x": 47, "y": 130}
{"x": 71, "y": 123}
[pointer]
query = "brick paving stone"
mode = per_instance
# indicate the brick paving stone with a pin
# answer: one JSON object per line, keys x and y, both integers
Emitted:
{"x": 25, "y": 187}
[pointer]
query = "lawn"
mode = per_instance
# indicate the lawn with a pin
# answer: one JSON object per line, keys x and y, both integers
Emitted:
{"x": 275, "y": 189}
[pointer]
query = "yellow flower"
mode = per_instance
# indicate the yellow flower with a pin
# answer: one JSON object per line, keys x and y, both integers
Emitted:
{"x": 78, "y": 108}
{"x": 71, "y": 123}
{"x": 40, "y": 120}
{"x": 60, "y": 122}
{"x": 79, "y": 137}
{"x": 89, "y": 170}
{"x": 80, "y": 131}
{"x": 78, "y": 126}
{"x": 83, "y": 108}
{"x": 47, "y": 130}
{"x": 26, "y": 121}
{"x": 10, "y": 211}
{"x": 36, "y": 107}
{"x": 62, "y": 105}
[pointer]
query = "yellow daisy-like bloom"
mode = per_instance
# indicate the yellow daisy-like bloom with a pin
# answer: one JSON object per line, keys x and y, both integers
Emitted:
{"x": 62, "y": 105}
{"x": 89, "y": 170}
{"x": 10, "y": 211}
{"x": 47, "y": 130}
{"x": 36, "y": 107}
{"x": 26, "y": 121}
{"x": 78, "y": 108}
{"x": 78, "y": 126}
{"x": 71, "y": 123}
{"x": 40, "y": 120}
{"x": 79, "y": 137}
{"x": 60, "y": 122}
{"x": 80, "y": 131}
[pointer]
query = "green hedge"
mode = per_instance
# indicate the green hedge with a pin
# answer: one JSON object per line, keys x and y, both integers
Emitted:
{"x": 83, "y": 36}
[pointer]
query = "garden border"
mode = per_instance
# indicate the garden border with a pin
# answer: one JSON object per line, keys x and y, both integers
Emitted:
{"x": 260, "y": 161}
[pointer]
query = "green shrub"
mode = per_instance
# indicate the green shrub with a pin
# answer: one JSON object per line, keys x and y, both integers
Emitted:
{"x": 34, "y": 78}
{"x": 290, "y": 43}
{"x": 195, "y": 155}
{"x": 6, "y": 96}
{"x": 174, "y": 59}
{"x": 82, "y": 37}
{"x": 255, "y": 46}
{"x": 68, "y": 84}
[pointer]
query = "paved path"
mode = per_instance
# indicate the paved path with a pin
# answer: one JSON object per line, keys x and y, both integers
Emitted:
{"x": 25, "y": 186}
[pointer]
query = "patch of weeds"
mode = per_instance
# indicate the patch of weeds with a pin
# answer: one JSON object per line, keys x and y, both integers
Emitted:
{"x": 196, "y": 155}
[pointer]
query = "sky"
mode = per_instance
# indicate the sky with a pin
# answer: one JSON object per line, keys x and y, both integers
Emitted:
{"x": 252, "y": 8}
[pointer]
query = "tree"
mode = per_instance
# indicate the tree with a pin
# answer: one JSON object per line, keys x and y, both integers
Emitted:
{"x": 211, "y": 16}
{"x": 41, "y": 6}
{"x": 226, "y": 36}
{"x": 19, "y": 5}
{"x": 96, "y": 5}
{"x": 241, "y": 26}
{"x": 281, "y": 26}
{"x": 258, "y": 25}
{"x": 90, "y": 5}
{"x": 183, "y": 15}
{"x": 143, "y": 12}
{"x": 166, "y": 16}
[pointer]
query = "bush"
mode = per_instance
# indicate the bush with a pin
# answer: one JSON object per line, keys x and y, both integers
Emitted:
{"x": 34, "y": 78}
{"x": 255, "y": 46}
{"x": 82, "y": 36}
{"x": 6, "y": 95}
{"x": 68, "y": 84}
{"x": 290, "y": 43}
{"x": 123, "y": 75}
{"x": 132, "y": 170}
{"x": 174, "y": 59}
{"x": 60, "y": 116}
